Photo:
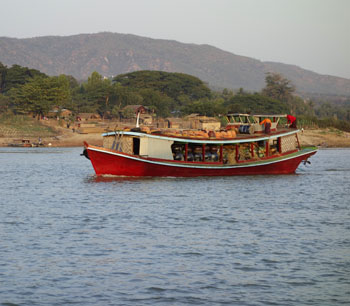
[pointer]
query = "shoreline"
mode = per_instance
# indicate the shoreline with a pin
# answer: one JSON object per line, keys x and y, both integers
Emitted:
{"x": 322, "y": 138}
{"x": 64, "y": 140}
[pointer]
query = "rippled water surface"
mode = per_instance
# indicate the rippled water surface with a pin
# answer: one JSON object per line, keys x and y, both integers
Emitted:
{"x": 67, "y": 237}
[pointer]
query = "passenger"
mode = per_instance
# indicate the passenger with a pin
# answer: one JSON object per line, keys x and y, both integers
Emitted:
{"x": 267, "y": 123}
{"x": 198, "y": 156}
{"x": 292, "y": 120}
{"x": 178, "y": 156}
{"x": 190, "y": 156}
{"x": 208, "y": 157}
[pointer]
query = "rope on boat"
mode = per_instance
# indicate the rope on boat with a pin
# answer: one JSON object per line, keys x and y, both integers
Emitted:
{"x": 119, "y": 142}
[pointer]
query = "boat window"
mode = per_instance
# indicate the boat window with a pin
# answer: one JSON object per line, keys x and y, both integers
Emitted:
{"x": 245, "y": 151}
{"x": 242, "y": 152}
{"x": 274, "y": 146}
{"x": 261, "y": 148}
{"x": 136, "y": 146}
{"x": 178, "y": 151}
{"x": 212, "y": 153}
{"x": 195, "y": 152}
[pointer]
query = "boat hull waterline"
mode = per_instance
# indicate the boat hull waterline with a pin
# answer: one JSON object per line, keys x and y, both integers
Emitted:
{"x": 110, "y": 162}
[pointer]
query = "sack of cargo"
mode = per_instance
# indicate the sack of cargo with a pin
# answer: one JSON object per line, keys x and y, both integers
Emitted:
{"x": 211, "y": 134}
{"x": 218, "y": 134}
{"x": 232, "y": 133}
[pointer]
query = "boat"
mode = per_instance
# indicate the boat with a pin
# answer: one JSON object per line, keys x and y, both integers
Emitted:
{"x": 245, "y": 147}
{"x": 25, "y": 143}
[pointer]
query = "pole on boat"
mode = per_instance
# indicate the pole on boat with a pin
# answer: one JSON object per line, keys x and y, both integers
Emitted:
{"x": 267, "y": 147}
{"x": 221, "y": 153}
{"x": 279, "y": 145}
{"x": 138, "y": 120}
{"x": 298, "y": 141}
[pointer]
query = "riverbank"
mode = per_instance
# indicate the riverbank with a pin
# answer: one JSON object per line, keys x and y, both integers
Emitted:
{"x": 326, "y": 138}
{"x": 68, "y": 139}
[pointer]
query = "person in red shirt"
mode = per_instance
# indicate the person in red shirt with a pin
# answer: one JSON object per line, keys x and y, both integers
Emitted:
{"x": 292, "y": 120}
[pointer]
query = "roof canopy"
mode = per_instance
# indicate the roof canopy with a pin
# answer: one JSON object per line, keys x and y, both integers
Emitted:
{"x": 264, "y": 116}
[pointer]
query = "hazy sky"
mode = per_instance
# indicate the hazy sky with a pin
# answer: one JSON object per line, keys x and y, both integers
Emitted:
{"x": 312, "y": 34}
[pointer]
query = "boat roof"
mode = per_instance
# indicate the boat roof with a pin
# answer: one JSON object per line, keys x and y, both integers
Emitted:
{"x": 264, "y": 116}
{"x": 241, "y": 138}
{"x": 256, "y": 115}
{"x": 238, "y": 114}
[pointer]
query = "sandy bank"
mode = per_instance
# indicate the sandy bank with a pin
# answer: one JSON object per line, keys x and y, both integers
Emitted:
{"x": 328, "y": 138}
{"x": 68, "y": 139}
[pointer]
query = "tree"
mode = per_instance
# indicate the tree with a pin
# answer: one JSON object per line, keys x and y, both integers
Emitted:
{"x": 40, "y": 95}
{"x": 116, "y": 111}
{"x": 299, "y": 107}
{"x": 255, "y": 103}
{"x": 326, "y": 110}
{"x": 206, "y": 107}
{"x": 98, "y": 91}
{"x": 156, "y": 101}
{"x": 4, "y": 103}
{"x": 17, "y": 76}
{"x": 277, "y": 87}
{"x": 172, "y": 85}
{"x": 3, "y": 72}
{"x": 128, "y": 113}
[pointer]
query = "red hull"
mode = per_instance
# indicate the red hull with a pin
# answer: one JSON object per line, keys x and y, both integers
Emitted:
{"x": 108, "y": 162}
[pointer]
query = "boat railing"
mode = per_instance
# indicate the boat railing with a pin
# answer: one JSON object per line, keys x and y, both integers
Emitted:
{"x": 251, "y": 124}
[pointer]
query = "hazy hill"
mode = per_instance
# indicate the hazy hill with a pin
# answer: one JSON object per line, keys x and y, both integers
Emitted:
{"x": 111, "y": 54}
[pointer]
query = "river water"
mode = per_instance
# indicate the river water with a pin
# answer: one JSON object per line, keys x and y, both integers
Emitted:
{"x": 67, "y": 237}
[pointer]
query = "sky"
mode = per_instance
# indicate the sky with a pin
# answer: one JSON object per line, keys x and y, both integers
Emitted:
{"x": 312, "y": 34}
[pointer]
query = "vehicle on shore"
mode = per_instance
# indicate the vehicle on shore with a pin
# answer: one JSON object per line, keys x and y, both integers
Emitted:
{"x": 243, "y": 148}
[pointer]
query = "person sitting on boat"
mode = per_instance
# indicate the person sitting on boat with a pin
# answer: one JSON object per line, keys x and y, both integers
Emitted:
{"x": 292, "y": 120}
{"x": 267, "y": 123}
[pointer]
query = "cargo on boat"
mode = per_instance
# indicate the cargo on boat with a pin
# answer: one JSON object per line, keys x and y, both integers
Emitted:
{"x": 249, "y": 145}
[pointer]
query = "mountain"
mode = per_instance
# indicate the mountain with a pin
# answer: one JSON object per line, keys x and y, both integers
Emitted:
{"x": 111, "y": 54}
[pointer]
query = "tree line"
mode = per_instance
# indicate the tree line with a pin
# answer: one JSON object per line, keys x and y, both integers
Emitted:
{"x": 24, "y": 90}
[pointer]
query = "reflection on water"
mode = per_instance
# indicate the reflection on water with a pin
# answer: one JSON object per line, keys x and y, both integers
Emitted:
{"x": 68, "y": 236}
